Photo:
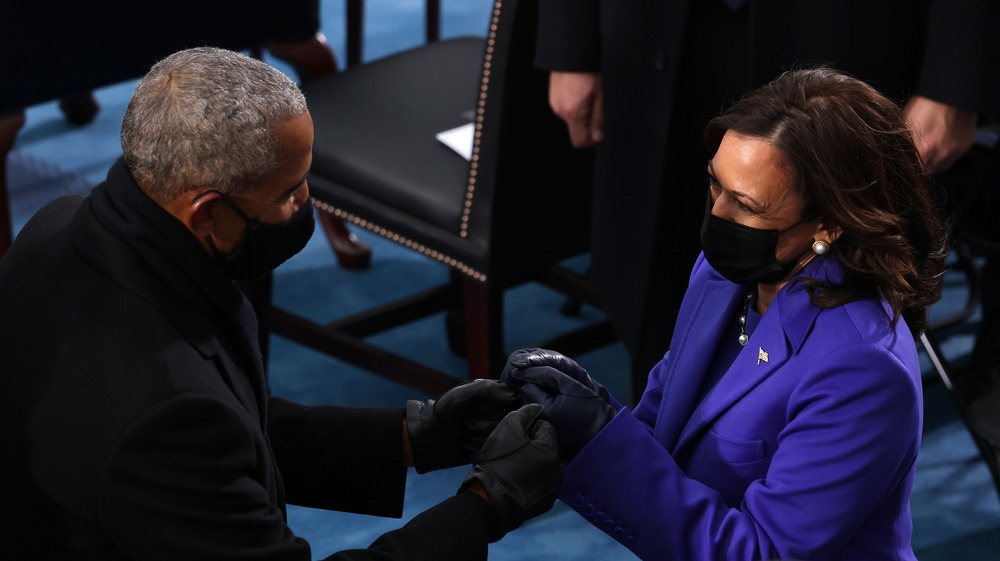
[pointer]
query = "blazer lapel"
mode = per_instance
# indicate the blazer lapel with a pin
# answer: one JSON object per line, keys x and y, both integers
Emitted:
{"x": 765, "y": 352}
{"x": 691, "y": 349}
{"x": 780, "y": 333}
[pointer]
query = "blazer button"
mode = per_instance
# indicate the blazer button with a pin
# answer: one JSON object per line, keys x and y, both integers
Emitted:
{"x": 599, "y": 517}
{"x": 630, "y": 541}
{"x": 619, "y": 534}
{"x": 589, "y": 510}
{"x": 579, "y": 501}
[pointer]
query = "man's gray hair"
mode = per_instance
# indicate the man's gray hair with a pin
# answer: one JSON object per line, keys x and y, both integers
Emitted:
{"x": 207, "y": 117}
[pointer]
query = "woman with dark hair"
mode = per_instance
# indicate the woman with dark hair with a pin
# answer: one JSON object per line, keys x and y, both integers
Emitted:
{"x": 785, "y": 420}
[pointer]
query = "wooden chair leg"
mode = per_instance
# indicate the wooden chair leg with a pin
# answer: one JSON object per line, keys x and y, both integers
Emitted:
{"x": 311, "y": 58}
{"x": 9, "y": 126}
{"x": 355, "y": 31}
{"x": 483, "y": 309}
{"x": 79, "y": 108}
{"x": 352, "y": 253}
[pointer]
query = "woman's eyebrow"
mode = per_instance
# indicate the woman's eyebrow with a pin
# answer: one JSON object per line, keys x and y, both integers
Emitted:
{"x": 733, "y": 192}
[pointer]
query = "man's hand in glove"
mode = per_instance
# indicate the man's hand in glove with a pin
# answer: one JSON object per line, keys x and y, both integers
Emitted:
{"x": 449, "y": 431}
{"x": 578, "y": 410}
{"x": 519, "y": 469}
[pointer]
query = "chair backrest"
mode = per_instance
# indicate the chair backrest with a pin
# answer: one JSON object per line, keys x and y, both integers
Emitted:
{"x": 356, "y": 27}
{"x": 528, "y": 190}
{"x": 522, "y": 202}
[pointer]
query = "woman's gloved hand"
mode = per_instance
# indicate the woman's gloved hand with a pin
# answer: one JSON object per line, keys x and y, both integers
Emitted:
{"x": 447, "y": 432}
{"x": 524, "y": 358}
{"x": 519, "y": 468}
{"x": 576, "y": 405}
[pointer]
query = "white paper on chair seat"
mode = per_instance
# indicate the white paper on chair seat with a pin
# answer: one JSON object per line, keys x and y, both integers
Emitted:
{"x": 459, "y": 139}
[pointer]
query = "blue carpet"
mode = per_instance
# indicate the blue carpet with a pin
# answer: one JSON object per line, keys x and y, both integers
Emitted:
{"x": 955, "y": 506}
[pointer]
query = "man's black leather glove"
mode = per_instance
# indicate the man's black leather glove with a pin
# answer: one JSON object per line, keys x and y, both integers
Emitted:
{"x": 524, "y": 358}
{"x": 447, "y": 432}
{"x": 519, "y": 468}
{"x": 578, "y": 411}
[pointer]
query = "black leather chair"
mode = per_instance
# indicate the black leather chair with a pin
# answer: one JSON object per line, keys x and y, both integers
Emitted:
{"x": 512, "y": 214}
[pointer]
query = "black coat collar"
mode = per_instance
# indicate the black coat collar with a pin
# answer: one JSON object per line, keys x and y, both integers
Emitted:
{"x": 145, "y": 250}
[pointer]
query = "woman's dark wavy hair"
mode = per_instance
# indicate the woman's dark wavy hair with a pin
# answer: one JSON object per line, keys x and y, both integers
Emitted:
{"x": 854, "y": 162}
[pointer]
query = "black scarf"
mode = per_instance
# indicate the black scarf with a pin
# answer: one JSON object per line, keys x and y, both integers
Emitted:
{"x": 173, "y": 252}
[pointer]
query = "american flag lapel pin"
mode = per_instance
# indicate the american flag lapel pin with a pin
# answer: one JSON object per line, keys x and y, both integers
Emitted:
{"x": 761, "y": 355}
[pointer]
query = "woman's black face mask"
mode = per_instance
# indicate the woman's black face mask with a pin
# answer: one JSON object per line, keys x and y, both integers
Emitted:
{"x": 263, "y": 247}
{"x": 743, "y": 254}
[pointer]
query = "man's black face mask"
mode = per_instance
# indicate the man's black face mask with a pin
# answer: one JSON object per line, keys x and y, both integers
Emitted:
{"x": 263, "y": 247}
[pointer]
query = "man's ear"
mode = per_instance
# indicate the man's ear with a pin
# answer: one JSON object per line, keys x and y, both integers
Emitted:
{"x": 196, "y": 210}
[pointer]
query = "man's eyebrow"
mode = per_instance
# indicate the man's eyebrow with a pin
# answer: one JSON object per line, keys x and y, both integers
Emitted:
{"x": 295, "y": 187}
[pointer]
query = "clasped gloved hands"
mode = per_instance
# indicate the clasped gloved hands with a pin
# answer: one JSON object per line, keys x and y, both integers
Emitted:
{"x": 576, "y": 405}
{"x": 519, "y": 468}
{"x": 449, "y": 431}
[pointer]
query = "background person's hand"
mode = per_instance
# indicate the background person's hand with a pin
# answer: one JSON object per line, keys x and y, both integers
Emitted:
{"x": 942, "y": 133}
{"x": 519, "y": 469}
{"x": 577, "y": 411}
{"x": 448, "y": 432}
{"x": 577, "y": 99}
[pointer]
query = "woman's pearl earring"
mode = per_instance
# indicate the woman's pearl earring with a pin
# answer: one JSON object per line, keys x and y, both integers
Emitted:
{"x": 820, "y": 247}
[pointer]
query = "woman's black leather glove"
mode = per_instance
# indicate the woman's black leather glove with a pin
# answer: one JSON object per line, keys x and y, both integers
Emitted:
{"x": 576, "y": 405}
{"x": 519, "y": 468}
{"x": 447, "y": 432}
{"x": 524, "y": 358}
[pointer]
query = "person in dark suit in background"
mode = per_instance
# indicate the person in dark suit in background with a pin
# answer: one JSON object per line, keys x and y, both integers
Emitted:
{"x": 133, "y": 405}
{"x": 639, "y": 80}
